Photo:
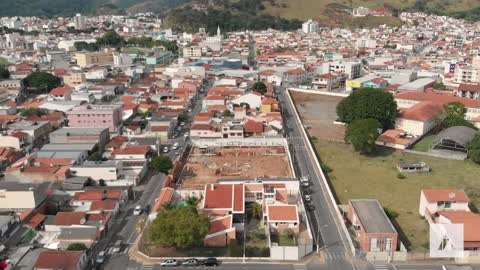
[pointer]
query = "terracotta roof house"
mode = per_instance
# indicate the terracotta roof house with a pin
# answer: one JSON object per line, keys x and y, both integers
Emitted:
{"x": 61, "y": 259}
{"x": 435, "y": 200}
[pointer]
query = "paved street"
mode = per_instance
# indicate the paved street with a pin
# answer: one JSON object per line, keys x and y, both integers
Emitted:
{"x": 326, "y": 226}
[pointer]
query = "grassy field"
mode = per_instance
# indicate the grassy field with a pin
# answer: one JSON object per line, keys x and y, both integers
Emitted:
{"x": 355, "y": 176}
{"x": 424, "y": 144}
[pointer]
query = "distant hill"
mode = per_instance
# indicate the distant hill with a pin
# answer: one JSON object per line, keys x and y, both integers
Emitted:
{"x": 289, "y": 9}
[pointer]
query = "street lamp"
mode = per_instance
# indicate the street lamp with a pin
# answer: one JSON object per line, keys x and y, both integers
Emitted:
{"x": 318, "y": 237}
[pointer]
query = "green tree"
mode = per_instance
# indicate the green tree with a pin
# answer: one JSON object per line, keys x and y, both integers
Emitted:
{"x": 439, "y": 86}
{"x": 77, "y": 247}
{"x": 227, "y": 113}
{"x": 183, "y": 117}
{"x": 181, "y": 227}
{"x": 366, "y": 103}
{"x": 26, "y": 112}
{"x": 111, "y": 39}
{"x": 102, "y": 183}
{"x": 97, "y": 156}
{"x": 168, "y": 206}
{"x": 192, "y": 201}
{"x": 256, "y": 211}
{"x": 4, "y": 73}
{"x": 474, "y": 149}
{"x": 85, "y": 46}
{"x": 162, "y": 164}
{"x": 42, "y": 81}
{"x": 453, "y": 121}
{"x": 455, "y": 109}
{"x": 259, "y": 87}
{"x": 362, "y": 134}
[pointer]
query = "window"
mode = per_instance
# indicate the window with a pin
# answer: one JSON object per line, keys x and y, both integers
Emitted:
{"x": 258, "y": 196}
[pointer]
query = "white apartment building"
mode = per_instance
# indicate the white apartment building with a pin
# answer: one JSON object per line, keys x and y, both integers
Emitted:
{"x": 310, "y": 27}
{"x": 352, "y": 69}
{"x": 79, "y": 22}
{"x": 192, "y": 51}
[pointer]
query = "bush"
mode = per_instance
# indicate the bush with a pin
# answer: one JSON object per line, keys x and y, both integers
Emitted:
{"x": 390, "y": 212}
{"x": 77, "y": 247}
{"x": 401, "y": 176}
{"x": 162, "y": 164}
{"x": 325, "y": 168}
{"x": 362, "y": 134}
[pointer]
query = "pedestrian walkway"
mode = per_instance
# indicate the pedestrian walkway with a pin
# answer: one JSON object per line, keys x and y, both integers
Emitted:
{"x": 380, "y": 266}
{"x": 299, "y": 267}
{"x": 334, "y": 255}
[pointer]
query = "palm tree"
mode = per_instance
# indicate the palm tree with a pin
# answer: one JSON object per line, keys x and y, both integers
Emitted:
{"x": 256, "y": 211}
{"x": 192, "y": 201}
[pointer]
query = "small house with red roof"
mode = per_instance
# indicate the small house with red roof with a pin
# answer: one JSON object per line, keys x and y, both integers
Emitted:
{"x": 376, "y": 83}
{"x": 61, "y": 259}
{"x": 468, "y": 91}
{"x": 61, "y": 93}
{"x": 435, "y": 200}
{"x": 328, "y": 81}
{"x": 253, "y": 129}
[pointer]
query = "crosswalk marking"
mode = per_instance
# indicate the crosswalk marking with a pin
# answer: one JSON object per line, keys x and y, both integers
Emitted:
{"x": 147, "y": 267}
{"x": 380, "y": 266}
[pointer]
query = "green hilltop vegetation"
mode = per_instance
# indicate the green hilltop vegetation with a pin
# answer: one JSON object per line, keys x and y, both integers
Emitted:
{"x": 239, "y": 14}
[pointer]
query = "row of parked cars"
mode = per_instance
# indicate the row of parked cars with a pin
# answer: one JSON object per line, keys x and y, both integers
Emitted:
{"x": 190, "y": 262}
{"x": 307, "y": 197}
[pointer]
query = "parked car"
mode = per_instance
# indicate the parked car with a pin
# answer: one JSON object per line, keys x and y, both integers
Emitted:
{"x": 307, "y": 198}
{"x": 165, "y": 149}
{"x": 186, "y": 135}
{"x": 177, "y": 153}
{"x": 101, "y": 257}
{"x": 169, "y": 263}
{"x": 190, "y": 262}
{"x": 210, "y": 262}
{"x": 175, "y": 146}
{"x": 147, "y": 209}
{"x": 137, "y": 211}
{"x": 310, "y": 207}
{"x": 189, "y": 110}
{"x": 305, "y": 184}
{"x": 182, "y": 123}
{"x": 117, "y": 247}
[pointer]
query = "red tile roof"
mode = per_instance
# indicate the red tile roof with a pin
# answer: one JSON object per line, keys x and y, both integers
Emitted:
{"x": 116, "y": 142}
{"x": 440, "y": 97}
{"x": 282, "y": 213}
{"x": 445, "y": 195}
{"x": 132, "y": 150}
{"x": 35, "y": 220}
{"x": 69, "y": 218}
{"x": 218, "y": 196}
{"x": 220, "y": 224}
{"x": 238, "y": 198}
{"x": 103, "y": 205}
{"x": 253, "y": 127}
{"x": 58, "y": 259}
{"x": 164, "y": 197}
{"x": 469, "y": 87}
{"x": 423, "y": 111}
{"x": 61, "y": 91}
{"x": 96, "y": 195}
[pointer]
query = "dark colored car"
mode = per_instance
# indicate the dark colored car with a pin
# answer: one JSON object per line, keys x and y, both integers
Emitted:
{"x": 310, "y": 207}
{"x": 147, "y": 209}
{"x": 211, "y": 262}
{"x": 190, "y": 262}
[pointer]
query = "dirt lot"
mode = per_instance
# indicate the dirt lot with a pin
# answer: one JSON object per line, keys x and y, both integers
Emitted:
{"x": 319, "y": 112}
{"x": 207, "y": 165}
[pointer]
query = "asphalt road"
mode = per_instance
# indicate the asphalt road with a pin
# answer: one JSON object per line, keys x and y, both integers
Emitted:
{"x": 325, "y": 224}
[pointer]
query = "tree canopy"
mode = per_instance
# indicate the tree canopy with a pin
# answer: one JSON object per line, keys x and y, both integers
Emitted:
{"x": 26, "y": 112}
{"x": 42, "y": 81}
{"x": 162, "y": 164}
{"x": 259, "y": 87}
{"x": 77, "y": 247}
{"x": 362, "y": 134}
{"x": 474, "y": 149}
{"x": 455, "y": 109}
{"x": 4, "y": 73}
{"x": 111, "y": 39}
{"x": 181, "y": 227}
{"x": 453, "y": 121}
{"x": 368, "y": 103}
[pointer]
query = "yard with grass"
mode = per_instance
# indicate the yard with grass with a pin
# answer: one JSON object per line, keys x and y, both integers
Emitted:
{"x": 256, "y": 244}
{"x": 424, "y": 144}
{"x": 355, "y": 176}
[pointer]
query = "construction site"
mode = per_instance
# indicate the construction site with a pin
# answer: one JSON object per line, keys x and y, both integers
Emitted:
{"x": 206, "y": 165}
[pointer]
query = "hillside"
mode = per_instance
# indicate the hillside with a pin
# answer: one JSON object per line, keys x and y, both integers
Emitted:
{"x": 305, "y": 9}
{"x": 289, "y": 9}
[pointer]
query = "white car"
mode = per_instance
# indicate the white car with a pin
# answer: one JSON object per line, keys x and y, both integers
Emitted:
{"x": 165, "y": 150}
{"x": 137, "y": 211}
{"x": 307, "y": 198}
{"x": 100, "y": 257}
{"x": 175, "y": 146}
{"x": 186, "y": 134}
{"x": 169, "y": 262}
